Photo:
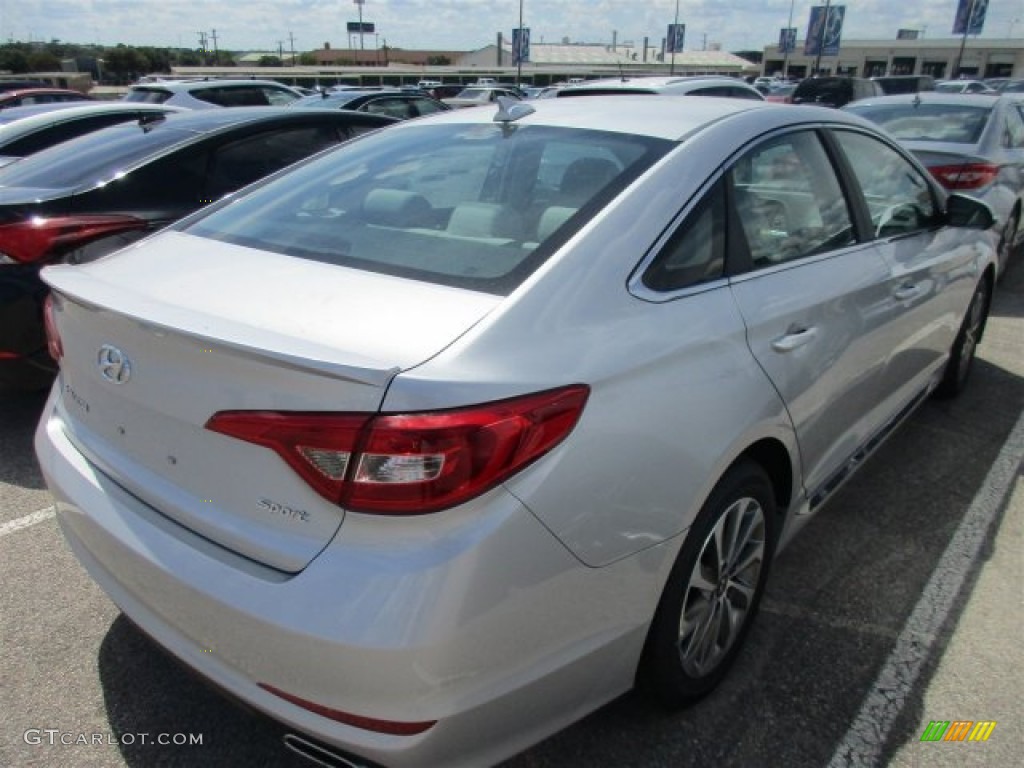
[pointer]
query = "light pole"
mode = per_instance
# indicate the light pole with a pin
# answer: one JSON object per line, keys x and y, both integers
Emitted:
{"x": 785, "y": 56}
{"x": 519, "y": 46}
{"x": 821, "y": 39}
{"x": 963, "y": 40}
{"x": 360, "y": 4}
{"x": 672, "y": 41}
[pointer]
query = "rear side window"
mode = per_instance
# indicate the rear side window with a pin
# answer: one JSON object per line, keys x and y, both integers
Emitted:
{"x": 237, "y": 96}
{"x": 242, "y": 162}
{"x": 696, "y": 251}
{"x": 472, "y": 206}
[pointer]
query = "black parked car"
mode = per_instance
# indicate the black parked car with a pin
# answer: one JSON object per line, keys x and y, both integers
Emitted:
{"x": 835, "y": 91}
{"x": 393, "y": 102}
{"x": 89, "y": 196}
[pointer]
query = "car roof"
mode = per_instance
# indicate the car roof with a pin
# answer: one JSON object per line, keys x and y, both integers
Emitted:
{"x": 29, "y": 91}
{"x": 644, "y": 114}
{"x": 48, "y": 114}
{"x": 655, "y": 82}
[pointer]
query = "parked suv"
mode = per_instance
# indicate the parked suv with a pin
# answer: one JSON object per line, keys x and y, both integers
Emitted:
{"x": 835, "y": 91}
{"x": 207, "y": 94}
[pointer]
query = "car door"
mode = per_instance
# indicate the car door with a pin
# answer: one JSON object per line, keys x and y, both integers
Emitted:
{"x": 931, "y": 281}
{"x": 815, "y": 299}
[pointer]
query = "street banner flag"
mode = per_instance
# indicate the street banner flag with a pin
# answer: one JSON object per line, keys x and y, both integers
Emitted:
{"x": 787, "y": 40}
{"x": 675, "y": 39}
{"x": 824, "y": 33}
{"x": 521, "y": 45}
{"x": 970, "y": 17}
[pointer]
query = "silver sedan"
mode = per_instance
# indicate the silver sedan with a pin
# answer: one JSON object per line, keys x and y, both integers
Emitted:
{"x": 432, "y": 444}
{"x": 971, "y": 144}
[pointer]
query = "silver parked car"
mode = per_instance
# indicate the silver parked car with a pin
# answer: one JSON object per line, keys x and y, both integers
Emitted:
{"x": 970, "y": 143}
{"x": 434, "y": 443}
{"x": 682, "y": 85}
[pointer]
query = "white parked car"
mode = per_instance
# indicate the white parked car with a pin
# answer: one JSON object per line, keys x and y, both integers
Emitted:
{"x": 436, "y": 442}
{"x": 209, "y": 94}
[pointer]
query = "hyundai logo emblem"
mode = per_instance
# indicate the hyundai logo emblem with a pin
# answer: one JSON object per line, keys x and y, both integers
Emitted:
{"x": 114, "y": 364}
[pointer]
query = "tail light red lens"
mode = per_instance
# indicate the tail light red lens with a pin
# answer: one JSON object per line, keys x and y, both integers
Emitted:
{"x": 53, "y": 343}
{"x": 41, "y": 238}
{"x": 411, "y": 463}
{"x": 965, "y": 175}
{"x": 392, "y": 727}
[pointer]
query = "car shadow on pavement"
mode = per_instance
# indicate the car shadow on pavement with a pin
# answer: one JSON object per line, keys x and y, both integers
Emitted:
{"x": 836, "y": 603}
{"x": 146, "y": 691}
{"x": 19, "y": 414}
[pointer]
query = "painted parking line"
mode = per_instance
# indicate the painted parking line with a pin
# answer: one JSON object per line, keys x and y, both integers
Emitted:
{"x": 866, "y": 737}
{"x": 27, "y": 521}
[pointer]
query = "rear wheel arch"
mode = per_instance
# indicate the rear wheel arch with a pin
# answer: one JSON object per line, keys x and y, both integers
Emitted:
{"x": 773, "y": 457}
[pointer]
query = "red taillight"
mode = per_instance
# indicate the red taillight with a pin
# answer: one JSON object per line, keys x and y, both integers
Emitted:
{"x": 40, "y": 238}
{"x": 393, "y": 727}
{"x": 965, "y": 175}
{"x": 411, "y": 463}
{"x": 53, "y": 343}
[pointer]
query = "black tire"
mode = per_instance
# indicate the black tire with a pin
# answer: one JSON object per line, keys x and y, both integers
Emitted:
{"x": 961, "y": 356}
{"x": 676, "y": 667}
{"x": 1006, "y": 244}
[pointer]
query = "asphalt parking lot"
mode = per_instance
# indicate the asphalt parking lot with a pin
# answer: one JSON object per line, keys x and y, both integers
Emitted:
{"x": 900, "y": 604}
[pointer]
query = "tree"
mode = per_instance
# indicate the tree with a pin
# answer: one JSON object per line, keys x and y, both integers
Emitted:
{"x": 13, "y": 59}
{"x": 307, "y": 59}
{"x": 43, "y": 61}
{"x": 125, "y": 63}
{"x": 269, "y": 61}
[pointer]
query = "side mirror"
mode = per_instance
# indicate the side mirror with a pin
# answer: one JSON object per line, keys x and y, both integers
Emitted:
{"x": 966, "y": 211}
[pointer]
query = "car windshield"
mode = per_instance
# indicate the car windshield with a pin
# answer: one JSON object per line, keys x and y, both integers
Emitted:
{"x": 90, "y": 159}
{"x": 473, "y": 93}
{"x": 472, "y": 206}
{"x": 952, "y": 123}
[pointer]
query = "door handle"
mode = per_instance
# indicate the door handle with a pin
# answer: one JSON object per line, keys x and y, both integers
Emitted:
{"x": 907, "y": 291}
{"x": 794, "y": 338}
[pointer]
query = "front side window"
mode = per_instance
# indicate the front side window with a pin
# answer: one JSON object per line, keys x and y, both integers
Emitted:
{"x": 789, "y": 201}
{"x": 899, "y": 198}
{"x": 474, "y": 206}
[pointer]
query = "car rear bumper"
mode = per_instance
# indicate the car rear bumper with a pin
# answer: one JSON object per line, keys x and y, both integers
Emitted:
{"x": 478, "y": 618}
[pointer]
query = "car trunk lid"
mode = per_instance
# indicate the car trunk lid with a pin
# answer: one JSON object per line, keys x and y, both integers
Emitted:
{"x": 160, "y": 338}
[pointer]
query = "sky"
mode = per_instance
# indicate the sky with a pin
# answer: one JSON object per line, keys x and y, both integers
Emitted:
{"x": 272, "y": 25}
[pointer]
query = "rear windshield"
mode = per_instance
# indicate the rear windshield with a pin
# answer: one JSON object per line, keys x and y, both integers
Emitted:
{"x": 472, "y": 206}
{"x": 90, "y": 159}
{"x": 953, "y": 123}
